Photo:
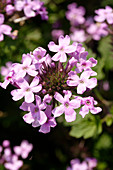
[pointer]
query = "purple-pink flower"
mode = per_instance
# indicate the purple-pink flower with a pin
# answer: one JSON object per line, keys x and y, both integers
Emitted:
{"x": 83, "y": 82}
{"x": 104, "y": 15}
{"x": 78, "y": 35}
{"x": 4, "y": 29}
{"x": 26, "y": 67}
{"x": 6, "y": 69}
{"x": 50, "y": 122}
{"x": 31, "y": 8}
{"x": 75, "y": 14}
{"x": 61, "y": 49}
{"x": 87, "y": 164}
{"x": 50, "y": 84}
{"x": 10, "y": 159}
{"x": 24, "y": 149}
{"x": 88, "y": 105}
{"x": 26, "y": 90}
{"x": 36, "y": 116}
{"x": 56, "y": 33}
{"x": 66, "y": 106}
{"x": 97, "y": 30}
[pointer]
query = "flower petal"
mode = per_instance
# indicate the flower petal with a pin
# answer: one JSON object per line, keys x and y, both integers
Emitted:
{"x": 59, "y": 97}
{"x": 17, "y": 94}
{"x": 57, "y": 111}
{"x": 29, "y": 97}
{"x": 70, "y": 114}
{"x": 28, "y": 118}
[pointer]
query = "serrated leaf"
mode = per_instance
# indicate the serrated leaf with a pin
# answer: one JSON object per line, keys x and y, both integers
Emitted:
{"x": 87, "y": 127}
{"x": 86, "y": 130}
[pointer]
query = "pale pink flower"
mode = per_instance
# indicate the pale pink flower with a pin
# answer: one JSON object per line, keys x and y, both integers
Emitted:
{"x": 104, "y": 14}
{"x": 62, "y": 48}
{"x": 83, "y": 82}
{"x": 66, "y": 106}
{"x": 26, "y": 90}
{"x": 24, "y": 149}
{"x": 89, "y": 103}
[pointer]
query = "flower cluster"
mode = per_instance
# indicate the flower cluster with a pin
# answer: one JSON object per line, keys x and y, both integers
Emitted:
{"x": 104, "y": 15}
{"x": 11, "y": 160}
{"x": 17, "y": 11}
{"x": 30, "y": 8}
{"x": 4, "y": 29}
{"x": 75, "y": 14}
{"x": 87, "y": 164}
{"x": 85, "y": 29}
{"x": 52, "y": 86}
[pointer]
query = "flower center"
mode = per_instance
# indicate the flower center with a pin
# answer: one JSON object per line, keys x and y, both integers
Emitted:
{"x": 36, "y": 109}
{"x": 81, "y": 81}
{"x": 28, "y": 89}
{"x": 39, "y": 56}
{"x": 25, "y": 68}
{"x": 83, "y": 64}
{"x": 61, "y": 49}
{"x": 88, "y": 102}
{"x": 9, "y": 78}
{"x": 54, "y": 80}
{"x": 66, "y": 104}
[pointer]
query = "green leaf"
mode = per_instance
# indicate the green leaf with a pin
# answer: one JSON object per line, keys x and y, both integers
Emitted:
{"x": 99, "y": 69}
{"x": 106, "y": 2}
{"x": 109, "y": 120}
{"x": 104, "y": 142}
{"x": 2, "y": 167}
{"x": 105, "y": 49}
{"x": 87, "y": 127}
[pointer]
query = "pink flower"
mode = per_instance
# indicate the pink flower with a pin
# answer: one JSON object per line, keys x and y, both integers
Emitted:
{"x": 6, "y": 143}
{"x": 49, "y": 87}
{"x": 14, "y": 164}
{"x": 36, "y": 116}
{"x": 104, "y": 14}
{"x": 78, "y": 35}
{"x": 4, "y": 29}
{"x": 9, "y": 9}
{"x": 50, "y": 122}
{"x": 31, "y": 8}
{"x": 83, "y": 82}
{"x": 92, "y": 163}
{"x": 87, "y": 164}
{"x": 8, "y": 79}
{"x": 77, "y": 165}
{"x": 89, "y": 103}
{"x": 56, "y": 33}
{"x": 97, "y": 30}
{"x": 5, "y": 70}
{"x": 85, "y": 64}
{"x": 26, "y": 90}
{"x": 61, "y": 49}
{"x": 38, "y": 55}
{"x": 75, "y": 14}
{"x": 24, "y": 149}
{"x": 10, "y": 159}
{"x": 26, "y": 67}
{"x": 106, "y": 85}
{"x": 66, "y": 106}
